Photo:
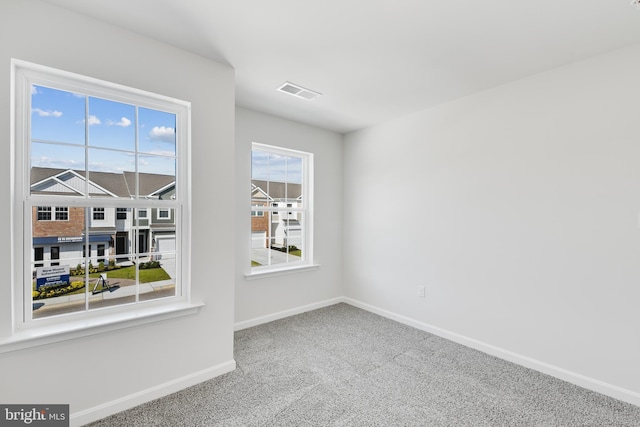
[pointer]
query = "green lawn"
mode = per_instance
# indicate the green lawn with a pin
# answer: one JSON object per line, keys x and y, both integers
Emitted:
{"x": 146, "y": 275}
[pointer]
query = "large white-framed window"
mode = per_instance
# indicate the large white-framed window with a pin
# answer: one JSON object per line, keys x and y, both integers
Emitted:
{"x": 85, "y": 147}
{"x": 281, "y": 209}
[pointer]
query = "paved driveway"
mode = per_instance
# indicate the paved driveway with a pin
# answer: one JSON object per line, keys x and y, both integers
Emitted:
{"x": 169, "y": 265}
{"x": 262, "y": 255}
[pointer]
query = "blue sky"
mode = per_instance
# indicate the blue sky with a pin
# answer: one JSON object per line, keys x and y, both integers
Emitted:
{"x": 60, "y": 117}
{"x": 273, "y": 167}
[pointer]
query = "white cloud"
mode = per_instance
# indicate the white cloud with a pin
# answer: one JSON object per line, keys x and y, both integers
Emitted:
{"x": 48, "y": 162}
{"x": 47, "y": 113}
{"x": 106, "y": 167}
{"x": 124, "y": 122}
{"x": 34, "y": 90}
{"x": 164, "y": 153}
{"x": 93, "y": 120}
{"x": 163, "y": 134}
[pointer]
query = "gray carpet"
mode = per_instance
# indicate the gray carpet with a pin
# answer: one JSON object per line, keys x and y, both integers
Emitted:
{"x": 342, "y": 366}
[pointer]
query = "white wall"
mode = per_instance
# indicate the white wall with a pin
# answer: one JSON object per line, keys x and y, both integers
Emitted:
{"x": 98, "y": 370}
{"x": 275, "y": 296}
{"x": 520, "y": 216}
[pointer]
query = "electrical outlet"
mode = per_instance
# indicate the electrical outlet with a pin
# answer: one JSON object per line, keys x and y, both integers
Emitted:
{"x": 421, "y": 291}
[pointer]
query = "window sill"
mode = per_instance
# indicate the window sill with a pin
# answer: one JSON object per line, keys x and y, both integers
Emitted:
{"x": 76, "y": 329}
{"x": 280, "y": 272}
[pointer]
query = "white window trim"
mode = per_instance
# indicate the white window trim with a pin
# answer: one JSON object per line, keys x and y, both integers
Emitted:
{"x": 307, "y": 263}
{"x": 94, "y": 212}
{"x": 48, "y": 334}
{"x": 23, "y": 334}
{"x": 162, "y": 218}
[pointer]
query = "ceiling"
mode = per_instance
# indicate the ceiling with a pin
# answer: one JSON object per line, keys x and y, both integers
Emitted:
{"x": 374, "y": 60}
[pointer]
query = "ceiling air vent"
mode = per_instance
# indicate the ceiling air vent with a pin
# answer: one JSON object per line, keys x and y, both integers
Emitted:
{"x": 299, "y": 91}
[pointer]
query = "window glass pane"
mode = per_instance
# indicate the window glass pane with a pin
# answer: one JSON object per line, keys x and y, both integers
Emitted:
{"x": 259, "y": 165}
{"x": 111, "y": 173}
{"x": 57, "y": 170}
{"x": 58, "y": 289}
{"x": 158, "y": 275}
{"x": 58, "y": 251}
{"x": 60, "y": 239}
{"x": 268, "y": 166}
{"x": 158, "y": 165}
{"x": 293, "y": 170}
{"x": 157, "y": 132}
{"x": 113, "y": 286}
{"x": 57, "y": 115}
{"x": 111, "y": 124}
{"x": 276, "y": 238}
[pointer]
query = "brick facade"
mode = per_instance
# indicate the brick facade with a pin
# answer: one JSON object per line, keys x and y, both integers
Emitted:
{"x": 74, "y": 227}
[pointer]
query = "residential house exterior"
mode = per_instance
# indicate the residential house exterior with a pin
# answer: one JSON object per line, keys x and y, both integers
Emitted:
{"x": 59, "y": 231}
{"x": 282, "y": 228}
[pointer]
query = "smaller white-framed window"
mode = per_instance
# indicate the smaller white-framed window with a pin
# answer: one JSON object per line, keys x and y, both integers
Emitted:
{"x": 281, "y": 210}
{"x": 44, "y": 213}
{"x": 62, "y": 213}
{"x": 55, "y": 213}
{"x": 98, "y": 214}
{"x": 121, "y": 213}
{"x": 164, "y": 214}
{"x": 142, "y": 213}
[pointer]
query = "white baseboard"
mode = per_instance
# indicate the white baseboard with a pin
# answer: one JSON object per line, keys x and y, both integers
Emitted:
{"x": 109, "y": 408}
{"x": 286, "y": 313}
{"x": 528, "y": 362}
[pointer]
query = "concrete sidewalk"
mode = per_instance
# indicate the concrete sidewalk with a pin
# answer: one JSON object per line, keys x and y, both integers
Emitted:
{"x": 119, "y": 292}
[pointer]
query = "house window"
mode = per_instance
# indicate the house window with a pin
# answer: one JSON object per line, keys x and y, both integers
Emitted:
{"x": 124, "y": 144}
{"x": 256, "y": 212}
{"x": 55, "y": 255}
{"x": 98, "y": 214}
{"x": 121, "y": 213}
{"x": 38, "y": 255}
{"x": 62, "y": 214}
{"x": 44, "y": 213}
{"x": 142, "y": 213}
{"x": 100, "y": 253}
{"x": 283, "y": 240}
{"x": 163, "y": 214}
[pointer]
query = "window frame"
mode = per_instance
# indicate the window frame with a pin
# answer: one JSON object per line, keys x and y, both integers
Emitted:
{"x": 26, "y": 331}
{"x": 42, "y": 211}
{"x": 161, "y": 211}
{"x": 62, "y": 213}
{"x": 96, "y": 212}
{"x": 274, "y": 208}
{"x": 121, "y": 214}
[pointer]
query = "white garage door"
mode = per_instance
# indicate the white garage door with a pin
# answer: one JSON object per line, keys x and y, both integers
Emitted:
{"x": 258, "y": 239}
{"x": 165, "y": 243}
